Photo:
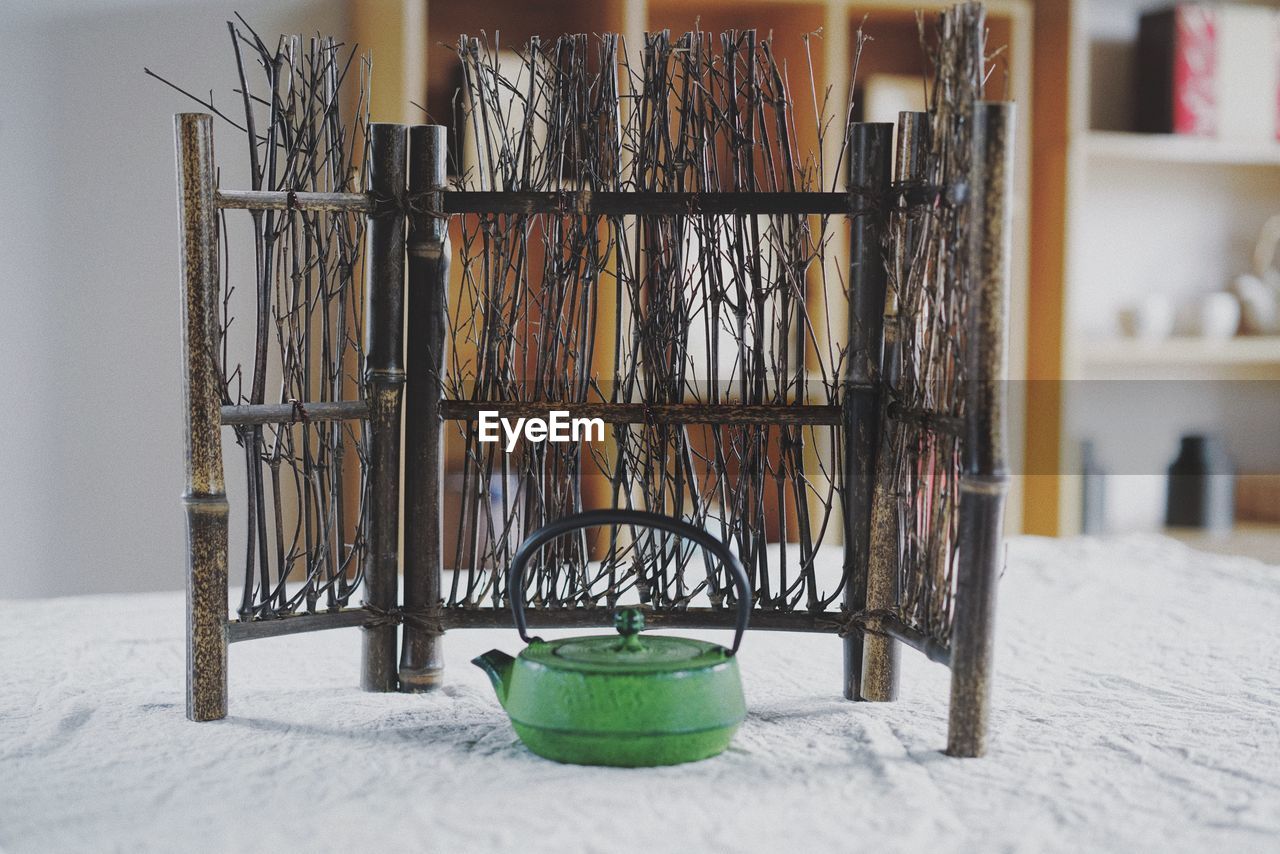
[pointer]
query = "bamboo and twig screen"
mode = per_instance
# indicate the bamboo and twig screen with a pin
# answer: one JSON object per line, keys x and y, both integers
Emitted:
{"x": 648, "y": 310}
{"x": 292, "y": 333}
{"x": 742, "y": 311}
{"x": 727, "y": 310}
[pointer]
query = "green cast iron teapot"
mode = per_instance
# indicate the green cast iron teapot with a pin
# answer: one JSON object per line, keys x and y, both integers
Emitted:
{"x": 630, "y": 700}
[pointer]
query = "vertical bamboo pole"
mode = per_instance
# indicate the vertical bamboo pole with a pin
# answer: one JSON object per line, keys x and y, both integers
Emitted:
{"x": 204, "y": 497}
{"x": 421, "y": 661}
{"x": 879, "y": 653}
{"x": 986, "y": 479}
{"x": 384, "y": 381}
{"x": 869, "y": 150}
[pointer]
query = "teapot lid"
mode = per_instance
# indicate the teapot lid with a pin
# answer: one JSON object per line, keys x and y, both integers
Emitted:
{"x": 628, "y": 653}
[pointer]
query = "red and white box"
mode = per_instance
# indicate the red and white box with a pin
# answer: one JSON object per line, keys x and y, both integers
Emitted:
{"x": 1210, "y": 70}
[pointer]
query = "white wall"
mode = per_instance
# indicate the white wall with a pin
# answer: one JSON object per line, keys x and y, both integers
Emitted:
{"x": 90, "y": 369}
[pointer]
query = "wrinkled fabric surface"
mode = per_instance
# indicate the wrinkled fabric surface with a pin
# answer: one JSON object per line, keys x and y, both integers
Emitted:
{"x": 1137, "y": 708}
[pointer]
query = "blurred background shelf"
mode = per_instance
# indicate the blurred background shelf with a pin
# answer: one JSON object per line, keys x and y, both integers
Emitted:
{"x": 1253, "y": 353}
{"x": 1169, "y": 148}
{"x": 1118, "y": 217}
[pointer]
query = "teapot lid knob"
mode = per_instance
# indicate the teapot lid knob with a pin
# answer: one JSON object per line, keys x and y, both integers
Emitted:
{"x": 629, "y": 622}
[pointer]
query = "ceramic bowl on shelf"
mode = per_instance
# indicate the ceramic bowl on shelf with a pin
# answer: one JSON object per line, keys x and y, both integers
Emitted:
{"x": 1259, "y": 292}
{"x": 1151, "y": 319}
{"x": 1259, "y": 304}
{"x": 1215, "y": 317}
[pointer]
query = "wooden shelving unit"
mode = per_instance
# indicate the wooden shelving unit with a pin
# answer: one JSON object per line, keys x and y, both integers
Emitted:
{"x": 1118, "y": 215}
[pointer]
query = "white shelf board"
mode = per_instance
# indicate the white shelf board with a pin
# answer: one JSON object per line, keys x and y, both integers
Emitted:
{"x": 1172, "y": 148}
{"x": 1242, "y": 351}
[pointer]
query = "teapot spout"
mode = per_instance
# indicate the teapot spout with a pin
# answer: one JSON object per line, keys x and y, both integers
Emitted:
{"x": 498, "y": 665}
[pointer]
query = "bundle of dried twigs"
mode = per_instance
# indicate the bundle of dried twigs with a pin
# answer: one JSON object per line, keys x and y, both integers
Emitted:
{"x": 649, "y": 310}
{"x": 717, "y": 309}
{"x": 931, "y": 283}
{"x": 305, "y": 305}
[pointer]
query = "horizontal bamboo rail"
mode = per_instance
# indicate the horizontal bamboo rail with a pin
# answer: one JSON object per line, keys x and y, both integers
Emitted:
{"x": 291, "y": 413}
{"x": 704, "y": 618}
{"x": 273, "y": 200}
{"x": 937, "y": 422}
{"x": 347, "y": 618}
{"x": 587, "y": 202}
{"x": 570, "y": 618}
{"x": 583, "y": 202}
{"x": 639, "y": 413}
{"x": 616, "y": 413}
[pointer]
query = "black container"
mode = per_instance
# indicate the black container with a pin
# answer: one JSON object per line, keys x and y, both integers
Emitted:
{"x": 1093, "y": 495}
{"x": 1201, "y": 486}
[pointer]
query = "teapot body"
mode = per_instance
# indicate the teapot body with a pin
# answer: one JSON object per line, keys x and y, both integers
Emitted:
{"x": 622, "y": 700}
{"x": 607, "y": 713}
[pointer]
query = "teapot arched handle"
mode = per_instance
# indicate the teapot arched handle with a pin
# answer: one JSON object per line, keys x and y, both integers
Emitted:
{"x": 641, "y": 518}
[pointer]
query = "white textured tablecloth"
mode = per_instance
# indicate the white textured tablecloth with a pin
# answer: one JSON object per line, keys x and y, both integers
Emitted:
{"x": 1137, "y": 707}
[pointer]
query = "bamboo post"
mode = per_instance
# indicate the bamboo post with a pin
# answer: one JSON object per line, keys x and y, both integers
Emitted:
{"x": 985, "y": 480}
{"x": 421, "y": 660}
{"x": 880, "y": 653}
{"x": 204, "y": 497}
{"x": 869, "y": 147}
{"x": 384, "y": 380}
